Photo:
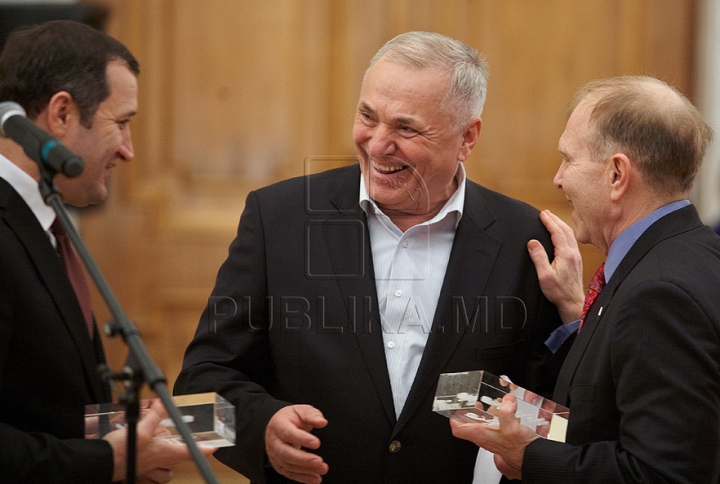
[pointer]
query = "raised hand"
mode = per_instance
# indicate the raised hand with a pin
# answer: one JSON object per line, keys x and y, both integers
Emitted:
{"x": 560, "y": 281}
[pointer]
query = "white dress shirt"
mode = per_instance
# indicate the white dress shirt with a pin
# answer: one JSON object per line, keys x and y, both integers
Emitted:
{"x": 410, "y": 269}
{"x": 409, "y": 272}
{"x": 28, "y": 189}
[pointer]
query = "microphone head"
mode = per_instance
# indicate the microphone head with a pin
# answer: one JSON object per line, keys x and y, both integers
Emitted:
{"x": 7, "y": 109}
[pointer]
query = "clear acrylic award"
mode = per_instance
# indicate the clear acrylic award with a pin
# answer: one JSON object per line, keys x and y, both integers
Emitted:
{"x": 474, "y": 396}
{"x": 210, "y": 417}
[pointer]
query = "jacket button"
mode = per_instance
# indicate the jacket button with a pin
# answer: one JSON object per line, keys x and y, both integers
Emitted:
{"x": 394, "y": 446}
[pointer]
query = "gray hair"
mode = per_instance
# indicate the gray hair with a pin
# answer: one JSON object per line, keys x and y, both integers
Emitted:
{"x": 468, "y": 87}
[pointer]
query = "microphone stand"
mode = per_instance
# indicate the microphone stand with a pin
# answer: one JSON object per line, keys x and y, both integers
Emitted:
{"x": 146, "y": 369}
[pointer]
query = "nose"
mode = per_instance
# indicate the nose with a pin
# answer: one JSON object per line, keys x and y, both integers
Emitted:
{"x": 557, "y": 180}
{"x": 381, "y": 141}
{"x": 126, "y": 150}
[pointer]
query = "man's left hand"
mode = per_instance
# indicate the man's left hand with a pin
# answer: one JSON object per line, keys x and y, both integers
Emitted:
{"x": 507, "y": 442}
{"x": 561, "y": 281}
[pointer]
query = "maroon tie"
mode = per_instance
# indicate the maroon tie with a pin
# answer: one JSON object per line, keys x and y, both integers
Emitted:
{"x": 597, "y": 283}
{"x": 75, "y": 273}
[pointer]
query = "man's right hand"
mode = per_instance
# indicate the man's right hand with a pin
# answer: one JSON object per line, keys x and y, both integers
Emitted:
{"x": 155, "y": 458}
{"x": 286, "y": 434}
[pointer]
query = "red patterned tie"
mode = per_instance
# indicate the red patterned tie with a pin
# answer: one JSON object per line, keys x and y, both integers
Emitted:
{"x": 597, "y": 283}
{"x": 75, "y": 273}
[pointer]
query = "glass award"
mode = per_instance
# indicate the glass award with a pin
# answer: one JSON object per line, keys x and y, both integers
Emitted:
{"x": 210, "y": 417}
{"x": 474, "y": 396}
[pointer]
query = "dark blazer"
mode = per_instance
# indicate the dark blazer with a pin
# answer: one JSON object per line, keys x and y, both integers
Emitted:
{"x": 643, "y": 377}
{"x": 47, "y": 361}
{"x": 293, "y": 319}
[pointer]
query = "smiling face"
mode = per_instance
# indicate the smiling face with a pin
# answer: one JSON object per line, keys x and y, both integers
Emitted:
{"x": 409, "y": 150}
{"x": 584, "y": 180}
{"x": 105, "y": 143}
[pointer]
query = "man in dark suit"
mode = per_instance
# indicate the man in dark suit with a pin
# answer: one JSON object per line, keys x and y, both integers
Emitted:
{"x": 347, "y": 293}
{"x": 79, "y": 85}
{"x": 642, "y": 379}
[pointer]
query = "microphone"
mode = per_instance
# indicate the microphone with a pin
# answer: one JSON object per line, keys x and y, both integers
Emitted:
{"x": 39, "y": 145}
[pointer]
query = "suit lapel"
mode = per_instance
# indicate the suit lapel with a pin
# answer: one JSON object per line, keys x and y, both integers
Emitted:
{"x": 471, "y": 260}
{"x": 569, "y": 367}
{"x": 361, "y": 290}
{"x": 49, "y": 268}
{"x": 670, "y": 225}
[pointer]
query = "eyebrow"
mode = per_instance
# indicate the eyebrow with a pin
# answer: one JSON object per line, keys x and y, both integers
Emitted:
{"x": 565, "y": 155}
{"x": 402, "y": 120}
{"x": 560, "y": 146}
{"x": 366, "y": 107}
{"x": 408, "y": 121}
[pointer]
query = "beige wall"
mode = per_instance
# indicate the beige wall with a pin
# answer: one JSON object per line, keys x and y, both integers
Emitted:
{"x": 707, "y": 187}
{"x": 235, "y": 94}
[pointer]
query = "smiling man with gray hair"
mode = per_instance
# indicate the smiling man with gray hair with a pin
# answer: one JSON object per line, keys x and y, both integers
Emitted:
{"x": 347, "y": 293}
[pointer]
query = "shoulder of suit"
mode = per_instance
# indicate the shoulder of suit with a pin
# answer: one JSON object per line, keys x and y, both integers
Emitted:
{"x": 324, "y": 179}
{"x": 313, "y": 190}
{"x": 499, "y": 203}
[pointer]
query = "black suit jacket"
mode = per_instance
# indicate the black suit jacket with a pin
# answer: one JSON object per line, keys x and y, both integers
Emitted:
{"x": 293, "y": 319}
{"x": 47, "y": 361}
{"x": 643, "y": 377}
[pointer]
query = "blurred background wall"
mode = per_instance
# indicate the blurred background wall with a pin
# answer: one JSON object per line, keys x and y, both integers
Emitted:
{"x": 237, "y": 94}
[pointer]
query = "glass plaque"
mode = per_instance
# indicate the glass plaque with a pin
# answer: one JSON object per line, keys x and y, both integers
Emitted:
{"x": 473, "y": 396}
{"x": 210, "y": 417}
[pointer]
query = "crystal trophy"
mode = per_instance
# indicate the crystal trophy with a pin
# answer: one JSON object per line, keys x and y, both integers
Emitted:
{"x": 474, "y": 396}
{"x": 210, "y": 417}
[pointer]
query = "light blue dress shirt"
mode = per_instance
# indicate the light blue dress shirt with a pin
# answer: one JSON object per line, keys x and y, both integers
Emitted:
{"x": 627, "y": 238}
{"x": 618, "y": 250}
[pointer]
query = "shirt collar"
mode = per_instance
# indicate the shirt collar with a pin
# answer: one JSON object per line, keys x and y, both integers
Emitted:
{"x": 627, "y": 238}
{"x": 456, "y": 203}
{"x": 28, "y": 189}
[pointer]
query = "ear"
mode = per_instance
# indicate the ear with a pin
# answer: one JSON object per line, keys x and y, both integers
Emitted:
{"x": 620, "y": 175}
{"x": 60, "y": 113}
{"x": 469, "y": 138}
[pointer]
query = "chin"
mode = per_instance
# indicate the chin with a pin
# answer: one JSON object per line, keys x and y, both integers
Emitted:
{"x": 582, "y": 238}
{"x": 381, "y": 197}
{"x": 98, "y": 197}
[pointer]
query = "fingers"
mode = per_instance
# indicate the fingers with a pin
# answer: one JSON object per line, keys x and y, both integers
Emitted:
{"x": 298, "y": 465}
{"x": 488, "y": 438}
{"x": 508, "y": 440}
{"x": 155, "y": 476}
{"x": 156, "y": 453}
{"x": 293, "y": 424}
{"x": 207, "y": 451}
{"x": 530, "y": 397}
{"x": 539, "y": 257}
{"x": 286, "y": 434}
{"x": 561, "y": 280}
{"x": 561, "y": 235}
{"x": 149, "y": 421}
{"x": 311, "y": 417}
{"x": 508, "y": 408}
{"x": 560, "y": 232}
{"x": 465, "y": 432}
{"x": 155, "y": 457}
